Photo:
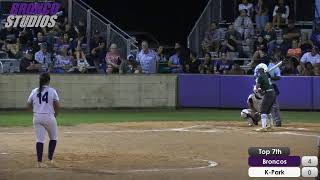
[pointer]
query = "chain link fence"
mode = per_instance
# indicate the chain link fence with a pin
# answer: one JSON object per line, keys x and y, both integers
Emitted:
{"x": 211, "y": 13}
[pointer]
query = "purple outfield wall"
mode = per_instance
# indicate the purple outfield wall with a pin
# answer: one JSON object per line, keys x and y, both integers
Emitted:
{"x": 232, "y": 91}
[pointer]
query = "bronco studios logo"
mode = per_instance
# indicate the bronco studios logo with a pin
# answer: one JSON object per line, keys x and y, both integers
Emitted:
{"x": 33, "y": 15}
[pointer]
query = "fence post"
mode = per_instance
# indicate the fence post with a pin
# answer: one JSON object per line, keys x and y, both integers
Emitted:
{"x": 70, "y": 11}
{"x": 88, "y": 29}
{"x": 108, "y": 35}
{"x": 128, "y": 46}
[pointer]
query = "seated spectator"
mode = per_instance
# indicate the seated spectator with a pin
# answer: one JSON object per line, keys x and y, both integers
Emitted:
{"x": 147, "y": 59}
{"x": 8, "y": 34}
{"x": 315, "y": 36}
{"x": 280, "y": 13}
{"x": 28, "y": 64}
{"x": 278, "y": 44}
{"x": 305, "y": 43}
{"x": 288, "y": 67}
{"x": 233, "y": 34}
{"x": 291, "y": 32}
{"x": 79, "y": 41}
{"x": 262, "y": 14}
{"x": 44, "y": 58}
{"x": 38, "y": 41}
{"x": 316, "y": 70}
{"x": 113, "y": 59}
{"x": 245, "y": 5}
{"x": 63, "y": 62}
{"x": 307, "y": 70}
{"x": 294, "y": 51}
{"x": 259, "y": 43}
{"x": 236, "y": 70}
{"x": 207, "y": 66}
{"x": 98, "y": 55}
{"x": 212, "y": 37}
{"x": 243, "y": 25}
{"x": 161, "y": 56}
{"x": 223, "y": 65}
{"x": 63, "y": 42}
{"x": 70, "y": 31}
{"x": 82, "y": 64}
{"x": 194, "y": 63}
{"x": 128, "y": 66}
{"x": 175, "y": 62}
{"x": 312, "y": 57}
{"x": 269, "y": 34}
{"x": 13, "y": 48}
{"x": 260, "y": 56}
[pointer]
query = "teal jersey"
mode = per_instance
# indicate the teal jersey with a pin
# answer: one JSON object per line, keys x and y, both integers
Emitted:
{"x": 265, "y": 82}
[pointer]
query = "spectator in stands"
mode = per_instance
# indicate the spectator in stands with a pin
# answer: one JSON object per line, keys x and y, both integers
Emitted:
{"x": 315, "y": 36}
{"x": 269, "y": 33}
{"x": 278, "y": 44}
{"x": 261, "y": 9}
{"x": 8, "y": 34}
{"x": 212, "y": 37}
{"x": 295, "y": 50}
{"x": 82, "y": 64}
{"x": 38, "y": 41}
{"x": 175, "y": 62}
{"x": 312, "y": 57}
{"x": 223, "y": 65}
{"x": 28, "y": 64}
{"x": 280, "y": 14}
{"x": 233, "y": 34}
{"x": 288, "y": 67}
{"x": 291, "y": 32}
{"x": 63, "y": 62}
{"x": 305, "y": 43}
{"x": 193, "y": 66}
{"x": 12, "y": 48}
{"x": 245, "y": 5}
{"x": 95, "y": 40}
{"x": 243, "y": 25}
{"x": 147, "y": 59}
{"x": 63, "y": 42}
{"x": 128, "y": 66}
{"x": 70, "y": 31}
{"x": 307, "y": 69}
{"x": 236, "y": 70}
{"x": 43, "y": 57}
{"x": 80, "y": 28}
{"x": 80, "y": 41}
{"x": 316, "y": 70}
{"x": 161, "y": 56}
{"x": 260, "y": 56}
{"x": 259, "y": 43}
{"x": 228, "y": 45}
{"x": 207, "y": 67}
{"x": 113, "y": 59}
{"x": 98, "y": 55}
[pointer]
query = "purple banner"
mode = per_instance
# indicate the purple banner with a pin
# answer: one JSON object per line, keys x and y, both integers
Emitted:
{"x": 274, "y": 161}
{"x": 316, "y": 93}
{"x": 233, "y": 91}
{"x": 199, "y": 90}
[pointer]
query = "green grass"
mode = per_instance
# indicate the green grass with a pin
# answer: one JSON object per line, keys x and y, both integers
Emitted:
{"x": 67, "y": 118}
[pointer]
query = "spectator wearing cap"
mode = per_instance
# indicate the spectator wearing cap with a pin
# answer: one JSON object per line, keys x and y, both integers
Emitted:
{"x": 312, "y": 57}
{"x": 147, "y": 59}
{"x": 212, "y": 37}
{"x": 28, "y": 64}
{"x": 175, "y": 62}
{"x": 280, "y": 13}
{"x": 315, "y": 36}
{"x": 261, "y": 9}
{"x": 243, "y": 25}
{"x": 43, "y": 57}
{"x": 245, "y": 5}
{"x": 291, "y": 32}
{"x": 113, "y": 59}
{"x": 63, "y": 62}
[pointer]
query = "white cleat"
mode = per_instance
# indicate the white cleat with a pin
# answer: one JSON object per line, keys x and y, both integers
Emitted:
{"x": 52, "y": 164}
{"x": 262, "y": 130}
{"x": 41, "y": 165}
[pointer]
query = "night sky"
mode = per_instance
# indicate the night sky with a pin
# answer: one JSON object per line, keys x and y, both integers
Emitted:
{"x": 168, "y": 20}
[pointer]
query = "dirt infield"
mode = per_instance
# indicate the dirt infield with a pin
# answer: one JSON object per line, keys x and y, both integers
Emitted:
{"x": 149, "y": 150}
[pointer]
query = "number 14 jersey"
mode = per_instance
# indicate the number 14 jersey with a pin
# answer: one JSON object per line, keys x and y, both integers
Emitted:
{"x": 43, "y": 102}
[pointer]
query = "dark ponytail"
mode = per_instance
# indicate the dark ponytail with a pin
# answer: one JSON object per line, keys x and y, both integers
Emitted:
{"x": 44, "y": 79}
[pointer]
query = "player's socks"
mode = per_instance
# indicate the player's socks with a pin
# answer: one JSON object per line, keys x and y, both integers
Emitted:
{"x": 39, "y": 148}
{"x": 52, "y": 147}
{"x": 264, "y": 120}
{"x": 271, "y": 120}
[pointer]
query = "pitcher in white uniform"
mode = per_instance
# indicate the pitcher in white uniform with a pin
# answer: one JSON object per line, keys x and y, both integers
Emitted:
{"x": 44, "y": 102}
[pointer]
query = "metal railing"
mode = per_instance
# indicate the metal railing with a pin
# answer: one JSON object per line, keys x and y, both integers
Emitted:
{"x": 212, "y": 12}
{"x": 95, "y": 21}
